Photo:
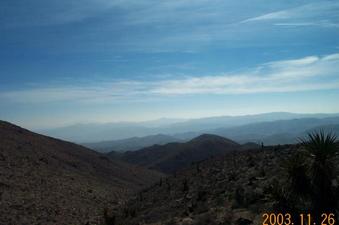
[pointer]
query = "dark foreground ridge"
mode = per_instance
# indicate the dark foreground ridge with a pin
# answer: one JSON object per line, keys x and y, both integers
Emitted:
{"x": 225, "y": 190}
{"x": 175, "y": 156}
{"x": 237, "y": 188}
{"x": 48, "y": 181}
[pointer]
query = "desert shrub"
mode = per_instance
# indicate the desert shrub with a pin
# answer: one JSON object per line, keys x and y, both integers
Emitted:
{"x": 298, "y": 181}
{"x": 220, "y": 199}
{"x": 243, "y": 221}
{"x": 322, "y": 149}
{"x": 201, "y": 207}
{"x": 170, "y": 222}
{"x": 262, "y": 172}
{"x": 108, "y": 219}
{"x": 232, "y": 176}
{"x": 239, "y": 197}
{"x": 185, "y": 187}
{"x": 129, "y": 211}
{"x": 204, "y": 219}
{"x": 201, "y": 195}
{"x": 250, "y": 161}
{"x": 310, "y": 172}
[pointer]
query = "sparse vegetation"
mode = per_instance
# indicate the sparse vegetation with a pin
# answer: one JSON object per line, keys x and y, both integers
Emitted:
{"x": 227, "y": 190}
{"x": 311, "y": 172}
{"x": 237, "y": 188}
{"x": 323, "y": 150}
{"x": 109, "y": 219}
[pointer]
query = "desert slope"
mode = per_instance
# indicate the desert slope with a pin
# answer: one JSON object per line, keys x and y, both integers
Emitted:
{"x": 48, "y": 181}
{"x": 231, "y": 189}
{"x": 174, "y": 156}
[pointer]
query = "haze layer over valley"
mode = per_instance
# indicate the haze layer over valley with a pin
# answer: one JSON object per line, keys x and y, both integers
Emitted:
{"x": 270, "y": 128}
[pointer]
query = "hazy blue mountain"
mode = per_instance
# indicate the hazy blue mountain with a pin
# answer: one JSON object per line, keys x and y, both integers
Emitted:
{"x": 277, "y": 132}
{"x": 131, "y": 144}
{"x": 81, "y": 133}
{"x": 96, "y": 132}
{"x": 333, "y": 128}
{"x": 292, "y": 138}
{"x": 187, "y": 135}
{"x": 231, "y": 121}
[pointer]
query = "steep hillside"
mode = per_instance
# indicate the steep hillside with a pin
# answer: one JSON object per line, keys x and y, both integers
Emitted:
{"x": 131, "y": 144}
{"x": 48, "y": 181}
{"x": 174, "y": 156}
{"x": 235, "y": 189}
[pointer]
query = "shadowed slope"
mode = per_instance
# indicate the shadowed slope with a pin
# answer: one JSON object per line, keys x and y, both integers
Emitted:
{"x": 131, "y": 144}
{"x": 48, "y": 181}
{"x": 173, "y": 156}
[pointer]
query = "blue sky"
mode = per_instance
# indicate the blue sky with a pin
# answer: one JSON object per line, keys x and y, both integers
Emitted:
{"x": 71, "y": 61}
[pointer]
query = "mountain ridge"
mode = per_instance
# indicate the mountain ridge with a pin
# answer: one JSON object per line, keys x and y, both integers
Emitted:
{"x": 131, "y": 144}
{"x": 115, "y": 131}
{"x": 171, "y": 157}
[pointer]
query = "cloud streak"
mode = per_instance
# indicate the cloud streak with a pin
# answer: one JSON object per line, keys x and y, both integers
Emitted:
{"x": 162, "y": 26}
{"x": 303, "y": 74}
{"x": 312, "y": 14}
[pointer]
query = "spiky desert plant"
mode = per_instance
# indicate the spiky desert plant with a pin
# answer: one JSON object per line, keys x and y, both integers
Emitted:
{"x": 323, "y": 149}
{"x": 298, "y": 180}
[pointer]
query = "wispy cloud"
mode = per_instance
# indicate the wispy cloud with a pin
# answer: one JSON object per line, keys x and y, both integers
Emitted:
{"x": 199, "y": 24}
{"x": 41, "y": 13}
{"x": 161, "y": 26}
{"x": 309, "y": 73}
{"x": 303, "y": 74}
{"x": 304, "y": 24}
{"x": 324, "y": 13}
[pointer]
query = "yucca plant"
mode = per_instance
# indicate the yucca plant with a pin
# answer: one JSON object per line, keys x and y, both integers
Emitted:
{"x": 297, "y": 174}
{"x": 292, "y": 195}
{"x": 322, "y": 149}
{"x": 310, "y": 172}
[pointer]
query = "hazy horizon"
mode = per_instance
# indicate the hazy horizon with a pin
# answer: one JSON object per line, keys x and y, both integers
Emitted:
{"x": 161, "y": 120}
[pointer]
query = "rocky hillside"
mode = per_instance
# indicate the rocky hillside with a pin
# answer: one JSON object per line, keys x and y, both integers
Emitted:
{"x": 175, "y": 156}
{"x": 49, "y": 181}
{"x": 235, "y": 189}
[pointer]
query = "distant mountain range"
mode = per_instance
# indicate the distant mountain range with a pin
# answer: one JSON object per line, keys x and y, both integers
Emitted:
{"x": 43, "y": 179}
{"x": 175, "y": 156}
{"x": 179, "y": 129}
{"x": 270, "y": 133}
{"x": 279, "y": 132}
{"x": 131, "y": 144}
